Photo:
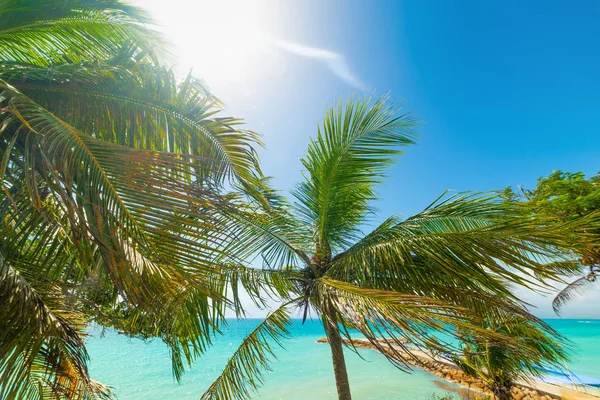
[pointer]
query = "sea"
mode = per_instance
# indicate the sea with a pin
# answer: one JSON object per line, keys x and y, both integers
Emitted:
{"x": 138, "y": 369}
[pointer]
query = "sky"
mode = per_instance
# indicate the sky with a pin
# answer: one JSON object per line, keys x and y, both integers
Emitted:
{"x": 506, "y": 91}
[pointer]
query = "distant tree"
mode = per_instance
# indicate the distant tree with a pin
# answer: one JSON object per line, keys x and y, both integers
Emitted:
{"x": 566, "y": 196}
{"x": 500, "y": 368}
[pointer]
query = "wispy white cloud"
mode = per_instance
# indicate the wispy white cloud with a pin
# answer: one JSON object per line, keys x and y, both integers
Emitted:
{"x": 336, "y": 62}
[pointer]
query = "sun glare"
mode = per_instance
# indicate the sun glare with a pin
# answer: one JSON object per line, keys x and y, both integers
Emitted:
{"x": 222, "y": 41}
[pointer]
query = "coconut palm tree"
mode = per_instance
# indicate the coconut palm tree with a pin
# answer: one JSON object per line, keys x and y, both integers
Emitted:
{"x": 406, "y": 279}
{"x": 112, "y": 175}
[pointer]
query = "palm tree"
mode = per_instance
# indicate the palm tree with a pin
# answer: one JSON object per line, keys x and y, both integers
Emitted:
{"x": 434, "y": 271}
{"x": 112, "y": 175}
{"x": 499, "y": 368}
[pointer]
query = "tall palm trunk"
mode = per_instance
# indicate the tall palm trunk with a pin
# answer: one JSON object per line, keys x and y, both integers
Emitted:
{"x": 337, "y": 354}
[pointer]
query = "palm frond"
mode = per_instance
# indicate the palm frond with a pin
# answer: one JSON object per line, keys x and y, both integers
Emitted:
{"x": 386, "y": 318}
{"x": 355, "y": 144}
{"x": 473, "y": 239}
{"x": 574, "y": 289}
{"x": 189, "y": 319}
{"x": 174, "y": 218}
{"x": 269, "y": 231}
{"x": 141, "y": 216}
{"x": 111, "y": 172}
{"x": 260, "y": 283}
{"x": 243, "y": 371}
{"x": 150, "y": 198}
{"x": 45, "y": 32}
{"x": 565, "y": 267}
{"x": 41, "y": 343}
{"x": 143, "y": 106}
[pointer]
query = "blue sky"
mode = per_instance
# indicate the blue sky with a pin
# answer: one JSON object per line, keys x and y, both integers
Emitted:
{"x": 507, "y": 91}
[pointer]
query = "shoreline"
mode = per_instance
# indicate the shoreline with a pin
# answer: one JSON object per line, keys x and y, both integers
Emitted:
{"x": 445, "y": 369}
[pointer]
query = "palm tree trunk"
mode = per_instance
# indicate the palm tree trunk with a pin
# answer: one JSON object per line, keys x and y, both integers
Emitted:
{"x": 337, "y": 354}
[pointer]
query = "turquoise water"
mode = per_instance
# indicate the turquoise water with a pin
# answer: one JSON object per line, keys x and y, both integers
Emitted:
{"x": 142, "y": 370}
{"x": 585, "y": 334}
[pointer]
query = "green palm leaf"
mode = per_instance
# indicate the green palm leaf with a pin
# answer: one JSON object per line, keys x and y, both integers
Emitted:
{"x": 575, "y": 289}
{"x": 355, "y": 144}
{"x": 154, "y": 229}
{"x": 111, "y": 170}
{"x": 244, "y": 369}
{"x": 267, "y": 230}
{"x": 46, "y": 32}
{"x": 40, "y": 332}
{"x": 124, "y": 100}
{"x": 470, "y": 238}
{"x": 260, "y": 283}
{"x": 387, "y": 318}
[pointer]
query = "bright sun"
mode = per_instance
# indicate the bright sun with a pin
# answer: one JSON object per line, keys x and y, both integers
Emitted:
{"x": 222, "y": 41}
{"x": 232, "y": 46}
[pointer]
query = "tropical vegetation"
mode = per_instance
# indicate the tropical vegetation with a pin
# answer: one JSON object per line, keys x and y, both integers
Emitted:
{"x": 444, "y": 269}
{"x": 128, "y": 200}
{"x": 566, "y": 196}
{"x": 112, "y": 198}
